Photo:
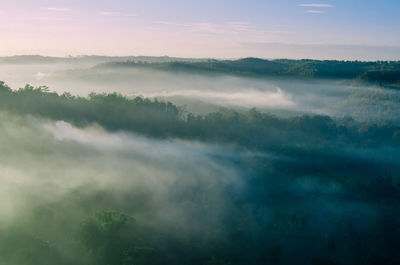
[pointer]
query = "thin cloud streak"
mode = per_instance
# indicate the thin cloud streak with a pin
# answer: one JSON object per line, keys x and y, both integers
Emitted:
{"x": 234, "y": 26}
{"x": 315, "y": 12}
{"x": 316, "y": 5}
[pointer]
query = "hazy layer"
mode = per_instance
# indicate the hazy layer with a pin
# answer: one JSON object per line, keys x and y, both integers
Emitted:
{"x": 206, "y": 93}
{"x": 43, "y": 161}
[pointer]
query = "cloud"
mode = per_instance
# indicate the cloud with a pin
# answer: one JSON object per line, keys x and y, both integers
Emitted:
{"x": 212, "y": 27}
{"x": 316, "y": 5}
{"x": 315, "y": 11}
{"x": 232, "y": 28}
{"x": 116, "y": 14}
{"x": 207, "y": 27}
{"x": 59, "y": 9}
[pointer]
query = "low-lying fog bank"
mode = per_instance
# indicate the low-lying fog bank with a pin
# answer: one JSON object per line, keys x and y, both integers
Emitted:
{"x": 204, "y": 93}
{"x": 74, "y": 195}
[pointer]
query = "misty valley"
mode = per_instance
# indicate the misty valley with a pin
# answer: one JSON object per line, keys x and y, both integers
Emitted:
{"x": 162, "y": 160}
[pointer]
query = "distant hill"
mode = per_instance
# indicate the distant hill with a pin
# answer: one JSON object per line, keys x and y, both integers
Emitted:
{"x": 381, "y": 72}
{"x": 37, "y": 59}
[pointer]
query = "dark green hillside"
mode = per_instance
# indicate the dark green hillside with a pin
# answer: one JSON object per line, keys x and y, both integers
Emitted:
{"x": 382, "y": 73}
{"x": 250, "y": 129}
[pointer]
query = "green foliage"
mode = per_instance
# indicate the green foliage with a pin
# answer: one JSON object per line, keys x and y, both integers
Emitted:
{"x": 381, "y": 72}
{"x": 318, "y": 190}
{"x": 4, "y": 87}
{"x": 143, "y": 256}
{"x": 250, "y": 129}
{"x": 104, "y": 236}
{"x": 19, "y": 247}
{"x": 113, "y": 111}
{"x": 112, "y": 222}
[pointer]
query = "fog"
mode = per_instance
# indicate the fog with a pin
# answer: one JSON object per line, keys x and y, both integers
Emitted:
{"x": 54, "y": 175}
{"x": 204, "y": 93}
{"x": 59, "y": 173}
{"x": 45, "y": 160}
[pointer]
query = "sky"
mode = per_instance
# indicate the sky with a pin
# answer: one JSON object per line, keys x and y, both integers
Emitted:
{"x": 320, "y": 29}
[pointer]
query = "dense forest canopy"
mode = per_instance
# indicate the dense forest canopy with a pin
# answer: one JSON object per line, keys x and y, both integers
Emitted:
{"x": 250, "y": 129}
{"x": 126, "y": 180}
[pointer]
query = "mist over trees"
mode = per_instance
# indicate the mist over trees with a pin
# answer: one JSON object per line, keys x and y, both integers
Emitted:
{"x": 274, "y": 141}
{"x": 383, "y": 73}
{"x": 110, "y": 179}
{"x": 250, "y": 129}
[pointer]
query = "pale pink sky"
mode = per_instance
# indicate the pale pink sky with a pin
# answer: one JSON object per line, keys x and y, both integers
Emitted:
{"x": 337, "y": 29}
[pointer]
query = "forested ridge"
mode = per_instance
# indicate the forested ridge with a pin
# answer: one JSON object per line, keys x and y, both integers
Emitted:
{"x": 251, "y": 129}
{"x": 384, "y": 73}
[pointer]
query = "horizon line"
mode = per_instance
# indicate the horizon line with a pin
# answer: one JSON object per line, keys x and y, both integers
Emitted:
{"x": 193, "y": 58}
